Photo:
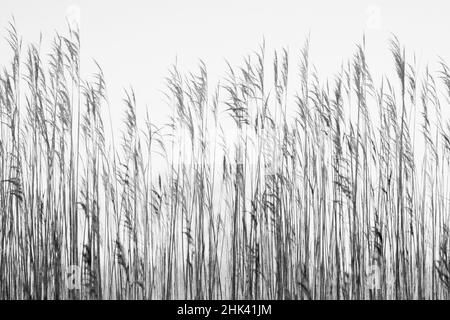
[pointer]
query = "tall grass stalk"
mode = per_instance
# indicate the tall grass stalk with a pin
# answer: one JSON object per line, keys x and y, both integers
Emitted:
{"x": 271, "y": 184}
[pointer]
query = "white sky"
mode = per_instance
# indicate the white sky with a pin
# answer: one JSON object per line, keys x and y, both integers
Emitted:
{"x": 135, "y": 42}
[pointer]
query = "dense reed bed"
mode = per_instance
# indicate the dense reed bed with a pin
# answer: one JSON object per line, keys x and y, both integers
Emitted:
{"x": 257, "y": 187}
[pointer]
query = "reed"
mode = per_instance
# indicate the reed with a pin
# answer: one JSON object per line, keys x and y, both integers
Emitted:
{"x": 271, "y": 184}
